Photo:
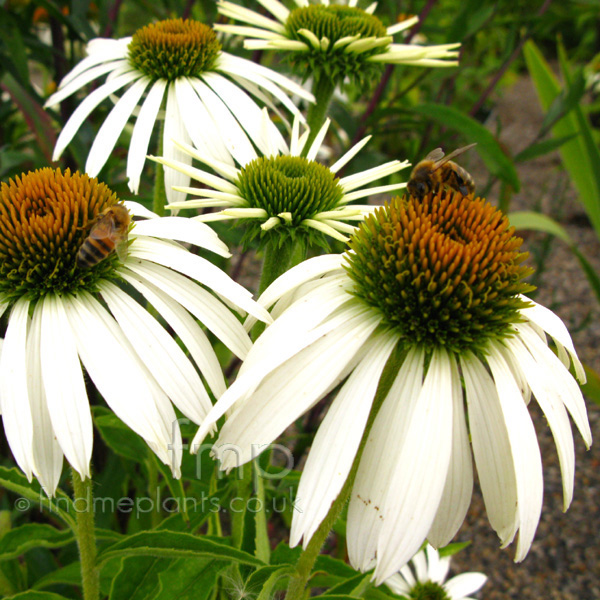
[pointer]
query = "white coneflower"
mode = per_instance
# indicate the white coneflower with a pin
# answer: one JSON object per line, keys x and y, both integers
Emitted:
{"x": 206, "y": 94}
{"x": 426, "y": 580}
{"x": 288, "y": 193}
{"x": 337, "y": 39}
{"x": 62, "y": 311}
{"x": 436, "y": 285}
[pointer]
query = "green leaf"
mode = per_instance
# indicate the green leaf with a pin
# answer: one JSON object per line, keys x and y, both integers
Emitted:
{"x": 117, "y": 436}
{"x": 266, "y": 578}
{"x": 487, "y": 146}
{"x": 68, "y": 575}
{"x": 333, "y": 566}
{"x": 17, "y": 541}
{"x": 538, "y": 222}
{"x": 170, "y": 544}
{"x": 580, "y": 156}
{"x": 355, "y": 586}
{"x": 591, "y": 389}
{"x": 34, "y": 595}
{"x": 189, "y": 579}
{"x": 542, "y": 148}
{"x": 137, "y": 578}
{"x": 32, "y": 493}
{"x": 37, "y": 119}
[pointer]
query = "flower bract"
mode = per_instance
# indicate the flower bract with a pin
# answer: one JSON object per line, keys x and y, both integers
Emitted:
{"x": 428, "y": 303}
{"x": 63, "y": 314}
{"x": 173, "y": 70}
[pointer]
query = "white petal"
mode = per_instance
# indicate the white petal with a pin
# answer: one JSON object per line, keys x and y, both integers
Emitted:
{"x": 48, "y": 456}
{"x": 351, "y": 182}
{"x": 201, "y": 128}
{"x": 552, "y": 324}
{"x": 175, "y": 129}
{"x": 416, "y": 487}
{"x": 465, "y": 584}
{"x": 229, "y": 9}
{"x": 203, "y": 305}
{"x": 287, "y": 393}
{"x": 112, "y": 127}
{"x": 377, "y": 463}
{"x": 235, "y": 139}
{"x": 65, "y": 388}
{"x": 14, "y": 397}
{"x": 126, "y": 385}
{"x": 183, "y": 324}
{"x": 314, "y": 148}
{"x": 550, "y": 402}
{"x": 139, "y": 210}
{"x": 87, "y": 106}
{"x": 398, "y": 585}
{"x": 348, "y": 156}
{"x": 200, "y": 269}
{"x": 183, "y": 230}
{"x": 459, "y": 484}
{"x": 337, "y": 440}
{"x": 277, "y": 9}
{"x": 142, "y": 131}
{"x": 525, "y": 451}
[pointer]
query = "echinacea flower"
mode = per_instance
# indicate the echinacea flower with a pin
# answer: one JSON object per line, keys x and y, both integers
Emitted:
{"x": 426, "y": 580}
{"x": 435, "y": 287}
{"x": 339, "y": 40}
{"x": 61, "y": 313}
{"x": 179, "y": 65}
{"x": 286, "y": 192}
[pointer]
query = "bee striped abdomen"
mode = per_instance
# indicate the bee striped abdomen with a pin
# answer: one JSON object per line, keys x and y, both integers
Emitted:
{"x": 92, "y": 251}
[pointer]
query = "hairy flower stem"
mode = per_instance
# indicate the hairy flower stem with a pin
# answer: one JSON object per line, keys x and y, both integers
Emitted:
{"x": 297, "y": 585}
{"x": 279, "y": 259}
{"x": 323, "y": 88}
{"x": 86, "y": 538}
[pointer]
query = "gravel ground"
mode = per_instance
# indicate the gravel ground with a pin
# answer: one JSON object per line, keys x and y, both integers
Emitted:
{"x": 564, "y": 560}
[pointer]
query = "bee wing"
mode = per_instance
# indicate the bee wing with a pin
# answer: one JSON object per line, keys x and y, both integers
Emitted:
{"x": 435, "y": 155}
{"x": 121, "y": 249}
{"x": 454, "y": 154}
{"x": 103, "y": 228}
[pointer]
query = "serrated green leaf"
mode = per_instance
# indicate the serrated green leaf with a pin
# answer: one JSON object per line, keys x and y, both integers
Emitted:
{"x": 117, "y": 436}
{"x": 170, "y": 544}
{"x": 17, "y": 541}
{"x": 137, "y": 578}
{"x": 267, "y": 577}
{"x": 355, "y": 586}
{"x": 333, "y": 566}
{"x": 487, "y": 146}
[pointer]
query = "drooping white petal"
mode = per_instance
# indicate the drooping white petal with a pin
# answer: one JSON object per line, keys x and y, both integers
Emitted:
{"x": 398, "y": 584}
{"x": 200, "y": 269}
{"x": 552, "y": 324}
{"x": 159, "y": 352}
{"x": 14, "y": 396}
{"x": 337, "y": 440}
{"x": 459, "y": 483}
{"x": 142, "y": 131}
{"x": 379, "y": 460}
{"x": 416, "y": 487}
{"x": 491, "y": 448}
{"x": 87, "y": 106}
{"x": 287, "y": 393}
{"x": 111, "y": 129}
{"x": 175, "y": 129}
{"x": 186, "y": 328}
{"x": 183, "y": 230}
{"x": 66, "y": 395}
{"x": 233, "y": 136}
{"x": 229, "y": 9}
{"x": 277, "y": 9}
{"x": 200, "y": 126}
{"x": 127, "y": 386}
{"x": 203, "y": 305}
{"x": 437, "y": 566}
{"x": 525, "y": 451}
{"x": 48, "y": 457}
{"x": 561, "y": 381}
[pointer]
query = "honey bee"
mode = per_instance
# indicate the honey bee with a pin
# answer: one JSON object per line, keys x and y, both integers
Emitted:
{"x": 437, "y": 170}
{"x": 107, "y": 235}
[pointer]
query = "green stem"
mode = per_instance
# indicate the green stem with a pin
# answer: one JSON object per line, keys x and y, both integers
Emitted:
{"x": 160, "y": 194}
{"x": 279, "y": 259}
{"x": 297, "y": 586}
{"x": 323, "y": 88}
{"x": 86, "y": 538}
